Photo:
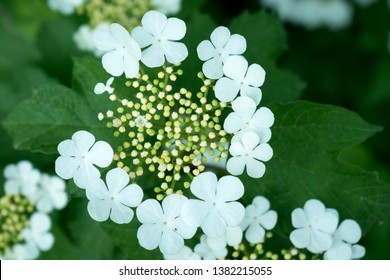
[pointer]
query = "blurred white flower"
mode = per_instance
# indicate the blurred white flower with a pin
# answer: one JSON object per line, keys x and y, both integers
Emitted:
{"x": 101, "y": 88}
{"x": 65, "y": 7}
{"x": 21, "y": 178}
{"x": 221, "y": 47}
{"x": 114, "y": 199}
{"x": 334, "y": 14}
{"x": 38, "y": 235}
{"x": 314, "y": 225}
{"x": 258, "y": 218}
{"x": 83, "y": 39}
{"x": 344, "y": 248}
{"x": 217, "y": 208}
{"x": 240, "y": 79}
{"x": 25, "y": 251}
{"x": 121, "y": 52}
{"x": 185, "y": 254}
{"x": 211, "y": 248}
{"x": 51, "y": 194}
{"x": 246, "y": 118}
{"x": 249, "y": 153}
{"x": 162, "y": 225}
{"x": 167, "y": 7}
{"x": 78, "y": 157}
{"x": 160, "y": 35}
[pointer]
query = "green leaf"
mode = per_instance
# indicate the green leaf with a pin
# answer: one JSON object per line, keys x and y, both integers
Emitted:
{"x": 51, "y": 115}
{"x": 307, "y": 139}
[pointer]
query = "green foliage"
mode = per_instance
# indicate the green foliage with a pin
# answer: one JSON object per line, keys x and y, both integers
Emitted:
{"x": 307, "y": 139}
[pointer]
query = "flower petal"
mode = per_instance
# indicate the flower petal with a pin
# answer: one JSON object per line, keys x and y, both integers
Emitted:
{"x": 212, "y": 68}
{"x": 244, "y": 106}
{"x": 341, "y": 251}
{"x": 358, "y": 252}
{"x": 172, "y": 205}
{"x": 255, "y": 233}
{"x": 235, "y": 67}
{"x": 206, "y": 50}
{"x": 85, "y": 174}
{"x": 299, "y": 218}
{"x": 214, "y": 225}
{"x": 320, "y": 241}
{"x": 83, "y": 140}
{"x": 149, "y": 235}
{"x": 254, "y": 168}
{"x": 175, "y": 29}
{"x": 68, "y": 148}
{"x": 154, "y": 22}
{"x": 235, "y": 165}
{"x": 233, "y": 235}
{"x": 349, "y": 231}
{"x": 171, "y": 242}
{"x": 314, "y": 209}
{"x": 262, "y": 152}
{"x": 103, "y": 39}
{"x": 233, "y": 123}
{"x": 219, "y": 37}
{"x": 153, "y": 56}
{"x": 175, "y": 52}
{"x": 131, "y": 66}
{"x": 194, "y": 212}
{"x": 131, "y": 195}
{"x": 251, "y": 92}
{"x": 250, "y": 140}
{"x": 236, "y": 149}
{"x": 328, "y": 222}
{"x": 233, "y": 213}
{"x": 99, "y": 210}
{"x": 235, "y": 45}
{"x": 116, "y": 180}
{"x": 149, "y": 211}
{"x": 101, "y": 154}
{"x": 121, "y": 214}
{"x": 226, "y": 89}
{"x": 268, "y": 220}
{"x": 66, "y": 167}
{"x": 97, "y": 189}
{"x": 204, "y": 186}
{"x": 113, "y": 63}
{"x": 229, "y": 188}
{"x": 300, "y": 238}
{"x": 264, "y": 117}
{"x": 255, "y": 75}
{"x": 142, "y": 37}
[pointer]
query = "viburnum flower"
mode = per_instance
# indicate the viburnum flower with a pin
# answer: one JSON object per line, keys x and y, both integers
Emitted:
{"x": 217, "y": 208}
{"x": 240, "y": 79}
{"x": 249, "y": 153}
{"x": 343, "y": 247}
{"x": 211, "y": 248}
{"x": 160, "y": 35}
{"x": 246, "y": 118}
{"x": 215, "y": 52}
{"x": 185, "y": 254}
{"x": 51, "y": 194}
{"x": 122, "y": 53}
{"x": 114, "y": 199}
{"x": 38, "y": 235}
{"x": 167, "y": 7}
{"x": 258, "y": 218}
{"x": 78, "y": 157}
{"x": 314, "y": 226}
{"x": 65, "y": 7}
{"x": 162, "y": 225}
{"x": 21, "y": 178}
{"x": 102, "y": 88}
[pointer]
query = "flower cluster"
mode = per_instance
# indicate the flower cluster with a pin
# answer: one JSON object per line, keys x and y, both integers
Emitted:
{"x": 30, "y": 197}
{"x": 318, "y": 231}
{"x": 334, "y": 14}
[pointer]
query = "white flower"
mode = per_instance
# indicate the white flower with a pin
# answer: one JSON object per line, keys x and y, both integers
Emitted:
{"x": 167, "y": 7}
{"x": 240, "y": 78}
{"x": 249, "y": 153}
{"x": 315, "y": 225}
{"x": 101, "y": 88}
{"x": 122, "y": 53}
{"x": 246, "y": 118}
{"x": 344, "y": 248}
{"x": 334, "y": 14}
{"x": 115, "y": 199}
{"x": 258, "y": 218}
{"x": 51, "y": 194}
{"x": 218, "y": 208}
{"x": 159, "y": 34}
{"x": 215, "y": 52}
{"x": 185, "y": 254}
{"x": 21, "y": 178}
{"x": 78, "y": 157}
{"x": 65, "y": 7}
{"x": 211, "y": 248}
{"x": 38, "y": 235}
{"x": 162, "y": 225}
{"x": 25, "y": 251}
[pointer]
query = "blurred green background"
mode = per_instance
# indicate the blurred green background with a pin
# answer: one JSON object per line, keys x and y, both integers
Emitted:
{"x": 348, "y": 68}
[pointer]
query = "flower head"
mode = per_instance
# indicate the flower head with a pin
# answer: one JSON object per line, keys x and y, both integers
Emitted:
{"x": 217, "y": 208}
{"x": 21, "y": 178}
{"x": 160, "y": 35}
{"x": 114, "y": 199}
{"x": 314, "y": 226}
{"x": 122, "y": 53}
{"x": 344, "y": 248}
{"x": 78, "y": 157}
{"x": 240, "y": 79}
{"x": 258, "y": 218}
{"x": 246, "y": 118}
{"x": 249, "y": 153}
{"x": 162, "y": 225}
{"x": 218, "y": 50}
